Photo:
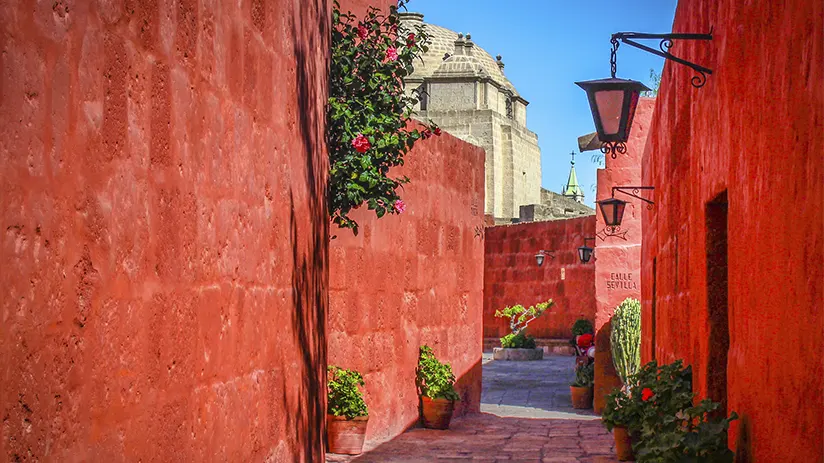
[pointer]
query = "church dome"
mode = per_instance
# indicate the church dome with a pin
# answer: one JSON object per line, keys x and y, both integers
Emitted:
{"x": 451, "y": 54}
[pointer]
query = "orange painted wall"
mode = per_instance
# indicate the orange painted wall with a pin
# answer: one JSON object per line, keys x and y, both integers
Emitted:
{"x": 511, "y": 275}
{"x": 165, "y": 230}
{"x": 617, "y": 261}
{"x": 413, "y": 279}
{"x": 755, "y": 131}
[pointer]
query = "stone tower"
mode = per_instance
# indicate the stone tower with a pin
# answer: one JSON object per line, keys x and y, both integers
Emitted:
{"x": 463, "y": 89}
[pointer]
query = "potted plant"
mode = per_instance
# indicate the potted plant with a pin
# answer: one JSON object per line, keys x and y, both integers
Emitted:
{"x": 581, "y": 389}
{"x": 580, "y": 328}
{"x": 517, "y": 345}
{"x": 347, "y": 417}
{"x": 436, "y": 386}
{"x": 621, "y": 415}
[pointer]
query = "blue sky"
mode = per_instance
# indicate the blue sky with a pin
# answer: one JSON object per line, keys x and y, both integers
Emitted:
{"x": 549, "y": 45}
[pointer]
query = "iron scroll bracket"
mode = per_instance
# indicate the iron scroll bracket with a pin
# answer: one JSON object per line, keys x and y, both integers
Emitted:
{"x": 635, "y": 192}
{"x": 664, "y": 46}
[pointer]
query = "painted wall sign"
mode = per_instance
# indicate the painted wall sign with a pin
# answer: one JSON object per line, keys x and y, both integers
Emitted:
{"x": 621, "y": 281}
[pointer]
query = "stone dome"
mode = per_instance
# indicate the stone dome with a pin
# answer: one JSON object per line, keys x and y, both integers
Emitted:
{"x": 453, "y": 55}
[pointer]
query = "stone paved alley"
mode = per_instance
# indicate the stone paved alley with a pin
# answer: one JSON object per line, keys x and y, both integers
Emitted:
{"x": 526, "y": 416}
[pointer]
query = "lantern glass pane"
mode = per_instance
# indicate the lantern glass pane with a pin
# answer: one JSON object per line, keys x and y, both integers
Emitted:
{"x": 619, "y": 213}
{"x": 540, "y": 259}
{"x": 610, "y": 105}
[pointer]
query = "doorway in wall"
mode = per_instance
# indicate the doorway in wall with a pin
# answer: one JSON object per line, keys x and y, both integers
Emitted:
{"x": 717, "y": 303}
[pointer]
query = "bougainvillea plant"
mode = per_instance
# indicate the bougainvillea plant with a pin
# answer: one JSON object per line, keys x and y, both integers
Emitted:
{"x": 369, "y": 115}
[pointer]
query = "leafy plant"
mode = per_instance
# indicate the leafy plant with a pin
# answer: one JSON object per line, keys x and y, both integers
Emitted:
{"x": 582, "y": 326}
{"x": 369, "y": 113}
{"x": 584, "y": 375}
{"x": 520, "y": 317}
{"x": 656, "y": 406}
{"x": 434, "y": 379}
{"x": 625, "y": 338}
{"x": 343, "y": 395}
{"x": 518, "y": 341}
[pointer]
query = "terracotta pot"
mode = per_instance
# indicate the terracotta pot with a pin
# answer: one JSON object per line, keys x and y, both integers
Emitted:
{"x": 581, "y": 397}
{"x": 437, "y": 413}
{"x": 346, "y": 436}
{"x": 623, "y": 444}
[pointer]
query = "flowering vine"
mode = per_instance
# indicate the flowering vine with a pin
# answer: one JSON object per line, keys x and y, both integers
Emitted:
{"x": 369, "y": 115}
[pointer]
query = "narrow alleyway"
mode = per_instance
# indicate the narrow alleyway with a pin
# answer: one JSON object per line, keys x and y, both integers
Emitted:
{"x": 527, "y": 416}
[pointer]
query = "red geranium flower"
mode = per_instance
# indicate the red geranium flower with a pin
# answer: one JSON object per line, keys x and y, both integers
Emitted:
{"x": 392, "y": 54}
{"x": 585, "y": 340}
{"x": 363, "y": 32}
{"x": 399, "y": 206}
{"x": 426, "y": 134}
{"x": 410, "y": 40}
{"x": 361, "y": 143}
{"x": 437, "y": 131}
{"x": 646, "y": 394}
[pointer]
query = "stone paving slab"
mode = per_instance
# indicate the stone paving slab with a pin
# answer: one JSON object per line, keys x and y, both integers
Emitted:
{"x": 526, "y": 416}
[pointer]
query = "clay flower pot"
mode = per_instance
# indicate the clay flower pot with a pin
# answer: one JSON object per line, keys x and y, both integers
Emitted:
{"x": 346, "y": 436}
{"x": 437, "y": 413}
{"x": 581, "y": 397}
{"x": 623, "y": 444}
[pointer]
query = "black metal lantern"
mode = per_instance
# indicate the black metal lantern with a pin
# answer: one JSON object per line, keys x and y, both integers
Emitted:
{"x": 613, "y": 102}
{"x": 585, "y": 253}
{"x": 613, "y": 211}
{"x": 539, "y": 258}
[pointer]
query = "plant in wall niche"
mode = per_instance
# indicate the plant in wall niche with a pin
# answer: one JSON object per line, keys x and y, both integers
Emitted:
{"x": 369, "y": 115}
{"x": 625, "y": 338}
{"x": 347, "y": 417}
{"x": 436, "y": 386}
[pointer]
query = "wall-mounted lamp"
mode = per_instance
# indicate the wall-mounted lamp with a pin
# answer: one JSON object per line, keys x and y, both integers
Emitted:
{"x": 613, "y": 101}
{"x": 612, "y": 209}
{"x": 585, "y": 252}
{"x": 539, "y": 258}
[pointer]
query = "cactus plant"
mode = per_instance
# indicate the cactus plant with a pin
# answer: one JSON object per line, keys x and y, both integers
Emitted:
{"x": 625, "y": 338}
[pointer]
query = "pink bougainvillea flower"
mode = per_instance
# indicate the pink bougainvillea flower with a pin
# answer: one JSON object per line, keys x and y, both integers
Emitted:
{"x": 392, "y": 54}
{"x": 410, "y": 40}
{"x": 399, "y": 206}
{"x": 646, "y": 394}
{"x": 361, "y": 143}
{"x": 363, "y": 32}
{"x": 437, "y": 131}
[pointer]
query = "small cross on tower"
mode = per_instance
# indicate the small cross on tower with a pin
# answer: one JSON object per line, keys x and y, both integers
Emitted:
{"x": 573, "y": 157}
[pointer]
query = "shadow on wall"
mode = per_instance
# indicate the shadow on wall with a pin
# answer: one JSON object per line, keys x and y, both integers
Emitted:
{"x": 310, "y": 274}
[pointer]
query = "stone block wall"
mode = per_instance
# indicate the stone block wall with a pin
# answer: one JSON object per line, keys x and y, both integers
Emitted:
{"x": 413, "y": 279}
{"x": 165, "y": 230}
{"x": 733, "y": 281}
{"x": 512, "y": 276}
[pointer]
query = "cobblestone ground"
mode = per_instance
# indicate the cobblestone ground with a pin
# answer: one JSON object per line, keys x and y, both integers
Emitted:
{"x": 526, "y": 415}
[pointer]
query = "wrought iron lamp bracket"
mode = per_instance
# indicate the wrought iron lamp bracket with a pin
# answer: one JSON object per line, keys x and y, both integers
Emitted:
{"x": 635, "y": 192}
{"x": 612, "y": 231}
{"x": 664, "y": 45}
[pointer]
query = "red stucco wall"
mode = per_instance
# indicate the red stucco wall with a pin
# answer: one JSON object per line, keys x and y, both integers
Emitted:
{"x": 413, "y": 279}
{"x": 164, "y": 256}
{"x": 618, "y": 259}
{"x": 511, "y": 275}
{"x": 755, "y": 130}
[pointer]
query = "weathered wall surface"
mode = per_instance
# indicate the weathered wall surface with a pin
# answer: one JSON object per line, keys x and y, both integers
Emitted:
{"x": 413, "y": 279}
{"x": 618, "y": 259}
{"x": 754, "y": 132}
{"x": 511, "y": 275}
{"x": 165, "y": 230}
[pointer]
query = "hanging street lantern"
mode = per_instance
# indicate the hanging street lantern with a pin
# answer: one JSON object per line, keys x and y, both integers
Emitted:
{"x": 539, "y": 258}
{"x": 613, "y": 101}
{"x": 585, "y": 252}
{"x": 612, "y": 210}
